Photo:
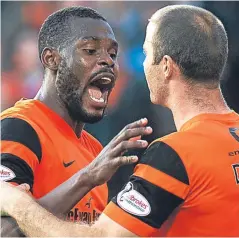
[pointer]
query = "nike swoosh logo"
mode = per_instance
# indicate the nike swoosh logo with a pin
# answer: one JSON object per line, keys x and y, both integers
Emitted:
{"x": 68, "y": 164}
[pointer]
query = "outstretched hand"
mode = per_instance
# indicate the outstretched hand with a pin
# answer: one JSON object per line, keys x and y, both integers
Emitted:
{"x": 111, "y": 157}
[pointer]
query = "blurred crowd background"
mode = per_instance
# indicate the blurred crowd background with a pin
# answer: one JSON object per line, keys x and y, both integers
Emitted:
{"x": 22, "y": 73}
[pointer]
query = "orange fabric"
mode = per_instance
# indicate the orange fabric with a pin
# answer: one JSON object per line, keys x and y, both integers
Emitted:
{"x": 20, "y": 151}
{"x": 162, "y": 180}
{"x": 211, "y": 205}
{"x": 59, "y": 145}
{"x": 129, "y": 222}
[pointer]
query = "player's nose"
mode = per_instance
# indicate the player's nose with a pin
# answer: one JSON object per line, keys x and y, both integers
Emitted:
{"x": 106, "y": 60}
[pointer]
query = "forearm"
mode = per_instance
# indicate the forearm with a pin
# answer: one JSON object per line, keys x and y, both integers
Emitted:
{"x": 63, "y": 198}
{"x": 35, "y": 221}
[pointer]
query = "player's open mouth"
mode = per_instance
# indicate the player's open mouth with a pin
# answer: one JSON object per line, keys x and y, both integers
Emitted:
{"x": 100, "y": 86}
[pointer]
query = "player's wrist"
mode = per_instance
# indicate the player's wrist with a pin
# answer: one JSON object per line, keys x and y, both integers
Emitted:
{"x": 86, "y": 178}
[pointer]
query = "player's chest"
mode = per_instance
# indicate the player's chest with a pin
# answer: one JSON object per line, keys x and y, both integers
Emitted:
{"x": 60, "y": 162}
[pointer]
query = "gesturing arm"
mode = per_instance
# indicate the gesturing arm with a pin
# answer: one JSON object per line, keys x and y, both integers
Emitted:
{"x": 65, "y": 196}
{"x": 158, "y": 186}
{"x": 34, "y": 220}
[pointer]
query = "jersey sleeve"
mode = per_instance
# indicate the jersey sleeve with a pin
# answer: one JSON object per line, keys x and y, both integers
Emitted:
{"x": 20, "y": 152}
{"x": 158, "y": 186}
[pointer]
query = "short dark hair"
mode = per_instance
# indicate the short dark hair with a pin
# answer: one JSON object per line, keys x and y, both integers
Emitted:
{"x": 194, "y": 38}
{"x": 56, "y": 31}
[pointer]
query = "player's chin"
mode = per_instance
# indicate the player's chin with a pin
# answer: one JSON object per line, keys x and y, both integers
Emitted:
{"x": 93, "y": 114}
{"x": 93, "y": 117}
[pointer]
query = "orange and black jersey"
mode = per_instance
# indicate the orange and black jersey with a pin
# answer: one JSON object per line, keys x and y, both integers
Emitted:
{"x": 41, "y": 149}
{"x": 186, "y": 183}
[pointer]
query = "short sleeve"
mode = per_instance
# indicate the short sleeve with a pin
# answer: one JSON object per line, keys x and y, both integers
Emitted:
{"x": 158, "y": 186}
{"x": 20, "y": 152}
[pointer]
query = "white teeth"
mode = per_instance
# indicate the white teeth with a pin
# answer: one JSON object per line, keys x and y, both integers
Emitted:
{"x": 106, "y": 80}
{"x": 97, "y": 100}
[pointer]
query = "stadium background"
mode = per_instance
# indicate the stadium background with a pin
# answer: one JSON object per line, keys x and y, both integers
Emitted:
{"x": 22, "y": 72}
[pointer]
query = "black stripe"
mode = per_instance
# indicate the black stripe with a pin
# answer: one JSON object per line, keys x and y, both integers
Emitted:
{"x": 162, "y": 202}
{"x": 18, "y": 130}
{"x": 22, "y": 170}
{"x": 164, "y": 158}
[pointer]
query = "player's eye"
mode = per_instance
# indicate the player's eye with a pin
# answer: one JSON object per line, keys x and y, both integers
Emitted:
{"x": 113, "y": 56}
{"x": 90, "y": 51}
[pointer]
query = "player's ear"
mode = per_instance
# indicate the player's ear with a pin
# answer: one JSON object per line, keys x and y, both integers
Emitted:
{"x": 50, "y": 59}
{"x": 167, "y": 66}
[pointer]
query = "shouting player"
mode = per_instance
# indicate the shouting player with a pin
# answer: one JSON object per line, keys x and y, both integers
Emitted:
{"x": 43, "y": 141}
{"x": 186, "y": 183}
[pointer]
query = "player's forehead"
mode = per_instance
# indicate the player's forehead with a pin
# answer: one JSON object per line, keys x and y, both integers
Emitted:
{"x": 150, "y": 33}
{"x": 87, "y": 28}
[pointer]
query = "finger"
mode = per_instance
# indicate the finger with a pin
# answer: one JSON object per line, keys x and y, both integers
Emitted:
{"x": 135, "y": 138}
{"x": 131, "y": 133}
{"x": 139, "y": 123}
{"x": 125, "y": 160}
{"x": 126, "y": 145}
{"x": 135, "y": 124}
{"x": 24, "y": 187}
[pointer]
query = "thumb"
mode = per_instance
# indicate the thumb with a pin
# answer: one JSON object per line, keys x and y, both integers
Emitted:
{"x": 24, "y": 186}
{"x": 124, "y": 160}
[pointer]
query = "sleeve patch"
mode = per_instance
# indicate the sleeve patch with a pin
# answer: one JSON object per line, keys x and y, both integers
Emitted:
{"x": 21, "y": 170}
{"x": 6, "y": 174}
{"x": 147, "y": 202}
{"x": 133, "y": 202}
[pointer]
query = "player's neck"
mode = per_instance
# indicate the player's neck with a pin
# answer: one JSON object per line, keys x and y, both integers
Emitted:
{"x": 50, "y": 98}
{"x": 186, "y": 104}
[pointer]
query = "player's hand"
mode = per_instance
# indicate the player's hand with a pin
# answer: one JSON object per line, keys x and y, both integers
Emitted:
{"x": 111, "y": 157}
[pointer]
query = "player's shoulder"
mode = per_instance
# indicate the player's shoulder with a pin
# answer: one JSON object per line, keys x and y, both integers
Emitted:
{"x": 17, "y": 123}
{"x": 176, "y": 140}
{"x": 23, "y": 109}
{"x": 168, "y": 151}
{"x": 168, "y": 147}
{"x": 19, "y": 133}
{"x": 176, "y": 136}
{"x": 162, "y": 156}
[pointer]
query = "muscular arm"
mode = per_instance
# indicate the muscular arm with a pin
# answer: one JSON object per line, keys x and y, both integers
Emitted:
{"x": 160, "y": 184}
{"x": 63, "y": 198}
{"x": 34, "y": 220}
{"x": 59, "y": 201}
{"x": 21, "y": 153}
{"x": 66, "y": 195}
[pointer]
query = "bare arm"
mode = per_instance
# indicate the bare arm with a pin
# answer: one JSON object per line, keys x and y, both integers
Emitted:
{"x": 62, "y": 199}
{"x": 65, "y": 196}
{"x": 59, "y": 201}
{"x": 35, "y": 221}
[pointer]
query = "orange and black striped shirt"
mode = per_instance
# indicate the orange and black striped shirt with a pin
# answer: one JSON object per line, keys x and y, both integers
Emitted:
{"x": 41, "y": 149}
{"x": 186, "y": 183}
